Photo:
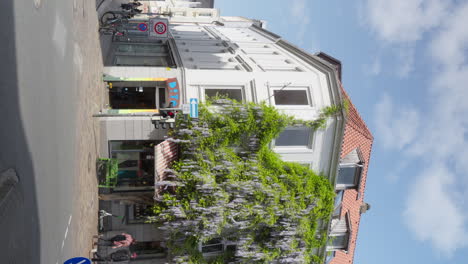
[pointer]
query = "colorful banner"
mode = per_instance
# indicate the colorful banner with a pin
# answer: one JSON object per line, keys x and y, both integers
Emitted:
{"x": 110, "y": 78}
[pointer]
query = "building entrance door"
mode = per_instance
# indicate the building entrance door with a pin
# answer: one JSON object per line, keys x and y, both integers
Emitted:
{"x": 133, "y": 98}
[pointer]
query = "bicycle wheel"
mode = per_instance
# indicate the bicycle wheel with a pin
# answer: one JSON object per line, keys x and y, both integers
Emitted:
{"x": 106, "y": 31}
{"x": 107, "y": 16}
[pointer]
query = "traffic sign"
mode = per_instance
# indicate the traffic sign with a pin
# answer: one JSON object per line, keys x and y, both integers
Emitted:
{"x": 185, "y": 109}
{"x": 159, "y": 27}
{"x": 143, "y": 27}
{"x": 78, "y": 260}
{"x": 193, "y": 107}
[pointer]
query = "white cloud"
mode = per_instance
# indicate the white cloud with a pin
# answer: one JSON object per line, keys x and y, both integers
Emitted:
{"x": 433, "y": 213}
{"x": 403, "y": 21}
{"x": 298, "y": 12}
{"x": 437, "y": 202}
{"x": 396, "y": 127}
{"x": 451, "y": 42}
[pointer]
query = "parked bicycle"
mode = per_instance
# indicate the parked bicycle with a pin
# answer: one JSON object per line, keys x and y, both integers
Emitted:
{"x": 130, "y": 5}
{"x": 103, "y": 214}
{"x": 116, "y": 21}
{"x": 112, "y": 31}
{"x": 112, "y": 15}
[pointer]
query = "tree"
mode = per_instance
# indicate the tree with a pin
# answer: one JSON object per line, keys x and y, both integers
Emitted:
{"x": 229, "y": 184}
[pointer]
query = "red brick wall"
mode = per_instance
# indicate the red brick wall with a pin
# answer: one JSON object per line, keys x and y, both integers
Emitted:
{"x": 356, "y": 135}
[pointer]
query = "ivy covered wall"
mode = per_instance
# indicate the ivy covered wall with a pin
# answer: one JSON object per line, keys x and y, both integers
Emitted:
{"x": 229, "y": 184}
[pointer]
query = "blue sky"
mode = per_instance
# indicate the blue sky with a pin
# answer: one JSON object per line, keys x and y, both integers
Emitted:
{"x": 405, "y": 67}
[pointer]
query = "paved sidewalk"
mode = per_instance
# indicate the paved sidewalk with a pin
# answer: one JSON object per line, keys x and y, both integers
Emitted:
{"x": 91, "y": 95}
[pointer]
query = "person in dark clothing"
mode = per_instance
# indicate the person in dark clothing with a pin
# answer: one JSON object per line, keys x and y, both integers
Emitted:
{"x": 119, "y": 255}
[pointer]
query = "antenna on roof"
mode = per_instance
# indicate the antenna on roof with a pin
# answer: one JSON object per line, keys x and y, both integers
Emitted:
{"x": 284, "y": 86}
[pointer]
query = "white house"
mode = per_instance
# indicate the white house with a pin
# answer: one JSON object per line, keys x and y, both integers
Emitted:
{"x": 163, "y": 63}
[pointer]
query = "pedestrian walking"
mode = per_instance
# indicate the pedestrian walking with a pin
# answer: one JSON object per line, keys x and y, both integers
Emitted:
{"x": 122, "y": 240}
{"x": 117, "y": 256}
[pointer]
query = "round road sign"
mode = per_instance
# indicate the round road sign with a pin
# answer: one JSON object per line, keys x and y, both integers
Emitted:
{"x": 143, "y": 27}
{"x": 78, "y": 260}
{"x": 160, "y": 28}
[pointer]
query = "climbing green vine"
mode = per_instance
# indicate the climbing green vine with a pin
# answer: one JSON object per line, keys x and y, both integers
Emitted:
{"x": 229, "y": 185}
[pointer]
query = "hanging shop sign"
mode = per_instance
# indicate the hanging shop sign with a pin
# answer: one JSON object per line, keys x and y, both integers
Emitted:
{"x": 173, "y": 94}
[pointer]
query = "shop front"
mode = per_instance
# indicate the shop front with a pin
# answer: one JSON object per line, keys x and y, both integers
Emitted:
{"x": 129, "y": 200}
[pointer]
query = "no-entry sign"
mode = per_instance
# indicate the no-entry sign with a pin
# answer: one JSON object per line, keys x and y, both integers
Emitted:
{"x": 159, "y": 27}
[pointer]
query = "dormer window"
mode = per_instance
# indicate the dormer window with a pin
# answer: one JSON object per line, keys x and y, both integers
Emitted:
{"x": 340, "y": 234}
{"x": 349, "y": 174}
{"x": 338, "y": 202}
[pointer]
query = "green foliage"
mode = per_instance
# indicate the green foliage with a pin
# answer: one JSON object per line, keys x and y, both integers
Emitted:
{"x": 233, "y": 186}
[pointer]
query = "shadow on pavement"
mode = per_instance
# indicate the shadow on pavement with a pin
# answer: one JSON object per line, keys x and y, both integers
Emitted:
{"x": 19, "y": 221}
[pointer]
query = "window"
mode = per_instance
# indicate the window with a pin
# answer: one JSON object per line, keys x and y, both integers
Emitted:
{"x": 217, "y": 66}
{"x": 280, "y": 68}
{"x": 149, "y": 250}
{"x": 138, "y": 213}
{"x": 140, "y": 61}
{"x": 340, "y": 233}
{"x": 349, "y": 176}
{"x": 291, "y": 97}
{"x": 231, "y": 93}
{"x": 142, "y": 54}
{"x": 141, "y": 48}
{"x": 213, "y": 246}
{"x": 295, "y": 137}
{"x": 338, "y": 200}
{"x": 135, "y": 163}
{"x": 338, "y": 241}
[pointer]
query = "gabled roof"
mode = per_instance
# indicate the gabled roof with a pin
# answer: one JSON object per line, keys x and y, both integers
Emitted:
{"x": 354, "y": 119}
{"x": 357, "y": 137}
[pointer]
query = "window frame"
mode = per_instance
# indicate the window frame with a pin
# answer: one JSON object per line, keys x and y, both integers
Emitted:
{"x": 307, "y": 89}
{"x": 165, "y": 54}
{"x": 222, "y": 242}
{"x": 223, "y": 87}
{"x": 348, "y": 233}
{"x": 338, "y": 206}
{"x": 357, "y": 176}
{"x": 296, "y": 148}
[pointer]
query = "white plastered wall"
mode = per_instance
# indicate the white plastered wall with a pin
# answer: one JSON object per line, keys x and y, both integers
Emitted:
{"x": 241, "y": 57}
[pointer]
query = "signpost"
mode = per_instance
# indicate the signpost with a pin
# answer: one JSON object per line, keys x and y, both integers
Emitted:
{"x": 193, "y": 107}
